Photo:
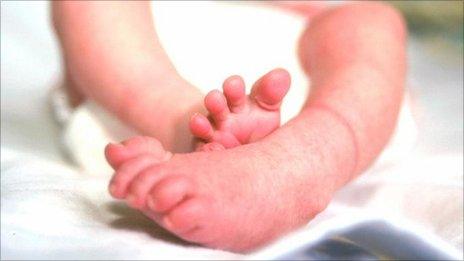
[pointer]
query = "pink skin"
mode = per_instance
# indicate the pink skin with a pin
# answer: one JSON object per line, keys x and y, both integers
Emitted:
{"x": 239, "y": 119}
{"x": 244, "y": 197}
{"x": 117, "y": 60}
{"x": 100, "y": 64}
{"x": 199, "y": 206}
{"x": 241, "y": 198}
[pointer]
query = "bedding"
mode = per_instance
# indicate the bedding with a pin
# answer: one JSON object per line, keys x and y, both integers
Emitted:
{"x": 54, "y": 202}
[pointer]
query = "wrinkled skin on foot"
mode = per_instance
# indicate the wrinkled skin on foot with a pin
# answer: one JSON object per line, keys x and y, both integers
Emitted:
{"x": 236, "y": 118}
{"x": 214, "y": 198}
{"x": 201, "y": 205}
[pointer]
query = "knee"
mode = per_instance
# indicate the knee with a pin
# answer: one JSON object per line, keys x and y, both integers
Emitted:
{"x": 379, "y": 14}
{"x": 363, "y": 17}
{"x": 354, "y": 26}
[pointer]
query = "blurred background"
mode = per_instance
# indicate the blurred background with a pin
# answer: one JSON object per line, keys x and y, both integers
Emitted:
{"x": 34, "y": 169}
{"x": 436, "y": 71}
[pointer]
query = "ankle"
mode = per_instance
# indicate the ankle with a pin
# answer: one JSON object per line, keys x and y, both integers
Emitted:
{"x": 163, "y": 112}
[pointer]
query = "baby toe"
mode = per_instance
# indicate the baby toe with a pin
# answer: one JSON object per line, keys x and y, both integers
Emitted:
{"x": 127, "y": 172}
{"x": 116, "y": 154}
{"x": 190, "y": 214}
{"x": 270, "y": 89}
{"x": 234, "y": 90}
{"x": 225, "y": 139}
{"x": 168, "y": 193}
{"x": 201, "y": 127}
{"x": 216, "y": 104}
{"x": 140, "y": 187}
{"x": 145, "y": 144}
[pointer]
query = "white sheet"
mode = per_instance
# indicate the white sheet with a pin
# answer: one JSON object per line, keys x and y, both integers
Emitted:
{"x": 52, "y": 209}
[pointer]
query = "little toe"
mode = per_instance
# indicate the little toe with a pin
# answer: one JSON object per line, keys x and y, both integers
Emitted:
{"x": 224, "y": 138}
{"x": 145, "y": 144}
{"x": 190, "y": 214}
{"x": 140, "y": 187}
{"x": 116, "y": 154}
{"x": 127, "y": 172}
{"x": 168, "y": 193}
{"x": 201, "y": 127}
{"x": 216, "y": 104}
{"x": 270, "y": 89}
{"x": 234, "y": 90}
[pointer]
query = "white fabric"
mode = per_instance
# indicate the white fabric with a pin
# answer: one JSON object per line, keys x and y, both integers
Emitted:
{"x": 51, "y": 208}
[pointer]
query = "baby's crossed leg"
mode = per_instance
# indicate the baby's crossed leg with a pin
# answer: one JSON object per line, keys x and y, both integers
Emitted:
{"x": 241, "y": 198}
{"x": 235, "y": 119}
{"x": 173, "y": 200}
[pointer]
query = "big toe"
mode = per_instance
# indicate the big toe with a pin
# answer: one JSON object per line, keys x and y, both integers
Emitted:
{"x": 189, "y": 215}
{"x": 270, "y": 89}
{"x": 169, "y": 193}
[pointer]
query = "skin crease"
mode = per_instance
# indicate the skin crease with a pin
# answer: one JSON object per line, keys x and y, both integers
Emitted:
{"x": 244, "y": 197}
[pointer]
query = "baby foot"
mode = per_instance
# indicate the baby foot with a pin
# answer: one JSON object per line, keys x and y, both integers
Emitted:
{"x": 134, "y": 154}
{"x": 218, "y": 199}
{"x": 239, "y": 119}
